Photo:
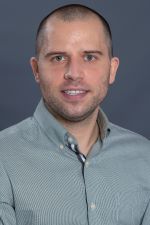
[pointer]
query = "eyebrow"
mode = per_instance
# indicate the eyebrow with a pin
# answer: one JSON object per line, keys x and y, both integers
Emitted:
{"x": 93, "y": 51}
{"x": 65, "y": 53}
{"x": 54, "y": 53}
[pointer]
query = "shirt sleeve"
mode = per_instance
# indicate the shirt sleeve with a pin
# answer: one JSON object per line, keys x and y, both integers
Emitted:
{"x": 146, "y": 218}
{"x": 7, "y": 212}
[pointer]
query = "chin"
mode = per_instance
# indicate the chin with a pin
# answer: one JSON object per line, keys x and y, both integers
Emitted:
{"x": 76, "y": 116}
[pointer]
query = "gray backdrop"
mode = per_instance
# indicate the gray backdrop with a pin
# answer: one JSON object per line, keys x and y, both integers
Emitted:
{"x": 127, "y": 103}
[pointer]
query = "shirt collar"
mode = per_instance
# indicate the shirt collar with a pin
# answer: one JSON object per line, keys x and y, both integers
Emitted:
{"x": 56, "y": 132}
{"x": 50, "y": 126}
{"x": 103, "y": 123}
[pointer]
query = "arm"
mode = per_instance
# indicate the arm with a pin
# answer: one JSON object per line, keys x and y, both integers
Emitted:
{"x": 7, "y": 212}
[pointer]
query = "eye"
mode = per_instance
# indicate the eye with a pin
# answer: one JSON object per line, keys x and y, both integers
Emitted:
{"x": 58, "y": 58}
{"x": 89, "y": 57}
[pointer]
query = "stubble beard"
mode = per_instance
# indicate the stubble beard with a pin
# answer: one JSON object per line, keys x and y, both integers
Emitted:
{"x": 62, "y": 112}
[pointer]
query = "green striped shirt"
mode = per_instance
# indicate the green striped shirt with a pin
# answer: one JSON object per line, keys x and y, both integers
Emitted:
{"x": 43, "y": 181}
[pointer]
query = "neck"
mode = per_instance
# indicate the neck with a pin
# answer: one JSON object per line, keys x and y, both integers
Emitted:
{"x": 86, "y": 132}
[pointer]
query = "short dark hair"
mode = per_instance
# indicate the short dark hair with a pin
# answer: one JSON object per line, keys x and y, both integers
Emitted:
{"x": 69, "y": 13}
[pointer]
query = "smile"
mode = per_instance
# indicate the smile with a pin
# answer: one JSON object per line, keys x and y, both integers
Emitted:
{"x": 74, "y": 92}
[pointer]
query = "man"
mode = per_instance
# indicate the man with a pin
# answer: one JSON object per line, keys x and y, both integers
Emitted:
{"x": 68, "y": 165}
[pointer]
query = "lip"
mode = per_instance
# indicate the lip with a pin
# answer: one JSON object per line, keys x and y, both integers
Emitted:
{"x": 79, "y": 95}
{"x": 74, "y": 87}
{"x": 79, "y": 91}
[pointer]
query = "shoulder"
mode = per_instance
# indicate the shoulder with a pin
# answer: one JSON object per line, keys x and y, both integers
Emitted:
{"x": 128, "y": 137}
{"x": 15, "y": 129}
{"x": 16, "y": 135}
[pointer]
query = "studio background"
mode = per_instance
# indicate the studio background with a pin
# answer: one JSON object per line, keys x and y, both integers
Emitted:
{"x": 128, "y": 100}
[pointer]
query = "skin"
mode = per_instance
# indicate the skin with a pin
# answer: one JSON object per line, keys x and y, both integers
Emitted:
{"x": 75, "y": 56}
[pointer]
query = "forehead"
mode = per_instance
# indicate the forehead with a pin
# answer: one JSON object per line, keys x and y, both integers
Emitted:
{"x": 92, "y": 19}
{"x": 89, "y": 27}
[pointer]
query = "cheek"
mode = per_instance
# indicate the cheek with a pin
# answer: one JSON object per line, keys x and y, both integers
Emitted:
{"x": 98, "y": 77}
{"x": 50, "y": 75}
{"x": 50, "y": 84}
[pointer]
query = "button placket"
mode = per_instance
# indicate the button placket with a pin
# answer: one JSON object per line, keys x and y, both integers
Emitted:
{"x": 87, "y": 163}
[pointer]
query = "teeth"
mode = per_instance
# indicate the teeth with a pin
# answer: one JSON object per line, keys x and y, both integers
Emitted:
{"x": 74, "y": 92}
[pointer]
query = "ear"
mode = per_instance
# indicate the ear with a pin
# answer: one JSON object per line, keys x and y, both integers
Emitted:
{"x": 35, "y": 69}
{"x": 113, "y": 69}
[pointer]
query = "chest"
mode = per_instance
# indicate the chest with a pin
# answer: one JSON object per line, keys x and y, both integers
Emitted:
{"x": 58, "y": 190}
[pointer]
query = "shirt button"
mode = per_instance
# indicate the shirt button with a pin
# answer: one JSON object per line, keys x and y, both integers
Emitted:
{"x": 61, "y": 146}
{"x": 93, "y": 206}
{"x": 87, "y": 164}
{"x": 70, "y": 140}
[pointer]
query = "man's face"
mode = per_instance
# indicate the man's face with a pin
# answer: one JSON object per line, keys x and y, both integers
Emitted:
{"x": 74, "y": 68}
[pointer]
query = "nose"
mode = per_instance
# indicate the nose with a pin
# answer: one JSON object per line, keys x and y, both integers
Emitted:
{"x": 74, "y": 70}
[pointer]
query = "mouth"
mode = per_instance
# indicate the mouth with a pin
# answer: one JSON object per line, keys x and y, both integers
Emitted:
{"x": 74, "y": 92}
{"x": 74, "y": 95}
